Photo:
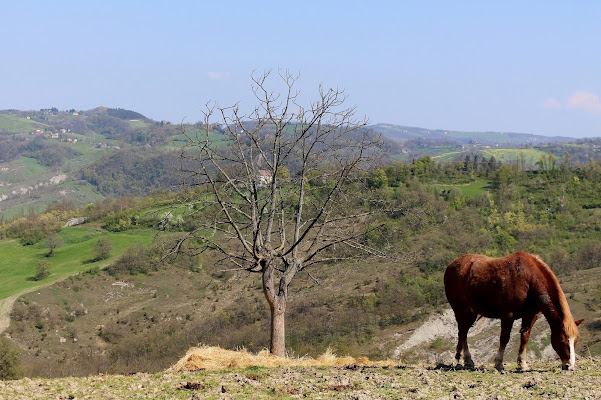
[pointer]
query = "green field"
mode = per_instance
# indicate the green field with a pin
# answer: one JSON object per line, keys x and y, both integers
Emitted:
{"x": 531, "y": 156}
{"x": 137, "y": 124}
{"x": 15, "y": 124}
{"x": 470, "y": 190}
{"x": 180, "y": 140}
{"x": 18, "y": 262}
{"x": 89, "y": 153}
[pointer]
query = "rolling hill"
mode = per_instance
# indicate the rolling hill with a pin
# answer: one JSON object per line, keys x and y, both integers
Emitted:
{"x": 84, "y": 156}
{"x": 404, "y": 133}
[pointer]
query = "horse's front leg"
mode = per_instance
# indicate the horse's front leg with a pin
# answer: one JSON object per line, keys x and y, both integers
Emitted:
{"x": 506, "y": 324}
{"x": 527, "y": 324}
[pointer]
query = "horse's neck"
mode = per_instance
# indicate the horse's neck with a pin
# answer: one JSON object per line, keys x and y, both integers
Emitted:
{"x": 552, "y": 309}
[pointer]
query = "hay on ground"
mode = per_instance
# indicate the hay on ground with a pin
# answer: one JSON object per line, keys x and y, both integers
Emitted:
{"x": 215, "y": 358}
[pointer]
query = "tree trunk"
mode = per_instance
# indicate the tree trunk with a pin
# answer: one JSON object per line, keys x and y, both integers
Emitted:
{"x": 277, "y": 299}
{"x": 278, "y": 331}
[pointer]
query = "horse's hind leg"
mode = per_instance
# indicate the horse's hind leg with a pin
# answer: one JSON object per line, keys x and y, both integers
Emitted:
{"x": 506, "y": 324}
{"x": 464, "y": 323}
{"x": 527, "y": 324}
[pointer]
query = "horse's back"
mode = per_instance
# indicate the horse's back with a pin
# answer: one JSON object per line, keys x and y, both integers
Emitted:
{"x": 489, "y": 286}
{"x": 485, "y": 268}
{"x": 456, "y": 273}
{"x": 459, "y": 268}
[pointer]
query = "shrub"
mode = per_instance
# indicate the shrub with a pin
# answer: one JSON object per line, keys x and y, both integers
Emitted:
{"x": 117, "y": 222}
{"x": 9, "y": 361}
{"x": 42, "y": 270}
{"x": 103, "y": 249}
{"x": 588, "y": 255}
{"x": 136, "y": 259}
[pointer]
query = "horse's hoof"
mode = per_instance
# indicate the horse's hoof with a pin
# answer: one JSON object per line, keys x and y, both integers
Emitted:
{"x": 499, "y": 367}
{"x": 469, "y": 366}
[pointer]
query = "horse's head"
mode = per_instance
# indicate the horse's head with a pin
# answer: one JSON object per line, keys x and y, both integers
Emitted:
{"x": 564, "y": 346}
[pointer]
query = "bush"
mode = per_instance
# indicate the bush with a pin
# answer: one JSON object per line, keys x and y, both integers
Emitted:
{"x": 42, "y": 270}
{"x": 103, "y": 249}
{"x": 136, "y": 259}
{"x": 378, "y": 179}
{"x": 117, "y": 222}
{"x": 9, "y": 361}
{"x": 588, "y": 255}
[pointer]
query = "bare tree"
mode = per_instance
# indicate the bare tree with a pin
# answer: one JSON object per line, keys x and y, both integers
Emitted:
{"x": 53, "y": 241}
{"x": 283, "y": 191}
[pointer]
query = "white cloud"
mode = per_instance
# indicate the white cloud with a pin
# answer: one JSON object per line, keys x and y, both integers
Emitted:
{"x": 552, "y": 104}
{"x": 586, "y": 101}
{"x": 215, "y": 76}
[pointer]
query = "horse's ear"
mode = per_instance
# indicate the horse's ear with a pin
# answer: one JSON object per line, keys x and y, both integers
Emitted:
{"x": 578, "y": 322}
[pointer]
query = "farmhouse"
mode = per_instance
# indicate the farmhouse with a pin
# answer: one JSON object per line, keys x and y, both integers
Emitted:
{"x": 264, "y": 177}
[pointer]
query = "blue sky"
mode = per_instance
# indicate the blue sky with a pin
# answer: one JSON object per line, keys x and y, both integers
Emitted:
{"x": 520, "y": 66}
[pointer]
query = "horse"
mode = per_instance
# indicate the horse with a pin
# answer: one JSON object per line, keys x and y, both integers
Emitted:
{"x": 517, "y": 286}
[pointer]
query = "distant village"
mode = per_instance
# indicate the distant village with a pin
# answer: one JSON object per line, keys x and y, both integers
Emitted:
{"x": 58, "y": 135}
{"x": 61, "y": 135}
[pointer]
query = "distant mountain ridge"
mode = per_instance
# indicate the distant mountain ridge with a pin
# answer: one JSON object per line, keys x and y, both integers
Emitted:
{"x": 13, "y": 121}
{"x": 404, "y": 133}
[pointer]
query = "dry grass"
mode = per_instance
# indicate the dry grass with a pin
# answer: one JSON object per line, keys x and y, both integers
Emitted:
{"x": 216, "y": 358}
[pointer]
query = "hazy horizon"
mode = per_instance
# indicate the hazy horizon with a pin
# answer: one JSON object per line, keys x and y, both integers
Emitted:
{"x": 470, "y": 66}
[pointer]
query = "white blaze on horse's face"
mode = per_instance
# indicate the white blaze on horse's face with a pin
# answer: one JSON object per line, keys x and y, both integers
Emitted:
{"x": 572, "y": 355}
{"x": 569, "y": 363}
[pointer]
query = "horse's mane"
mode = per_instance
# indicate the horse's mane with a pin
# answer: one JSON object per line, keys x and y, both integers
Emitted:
{"x": 569, "y": 325}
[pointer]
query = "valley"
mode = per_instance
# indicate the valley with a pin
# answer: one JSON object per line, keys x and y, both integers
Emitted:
{"x": 135, "y": 310}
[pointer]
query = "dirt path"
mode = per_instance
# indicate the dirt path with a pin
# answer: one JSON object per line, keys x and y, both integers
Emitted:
{"x": 6, "y": 306}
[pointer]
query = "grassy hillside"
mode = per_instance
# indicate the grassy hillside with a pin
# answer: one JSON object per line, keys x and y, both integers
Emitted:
{"x": 126, "y": 153}
{"x": 469, "y": 190}
{"x": 121, "y": 152}
{"x": 19, "y": 262}
{"x": 531, "y": 156}
{"x": 143, "y": 317}
{"x": 17, "y": 124}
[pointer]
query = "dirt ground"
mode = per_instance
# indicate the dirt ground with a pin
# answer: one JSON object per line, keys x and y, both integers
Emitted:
{"x": 545, "y": 380}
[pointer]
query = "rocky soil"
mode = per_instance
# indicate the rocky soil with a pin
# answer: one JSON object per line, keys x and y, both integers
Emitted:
{"x": 545, "y": 380}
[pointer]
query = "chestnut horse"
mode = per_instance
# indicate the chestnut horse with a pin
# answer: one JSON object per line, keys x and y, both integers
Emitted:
{"x": 517, "y": 286}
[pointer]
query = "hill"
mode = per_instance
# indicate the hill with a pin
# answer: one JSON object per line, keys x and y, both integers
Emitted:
{"x": 44, "y": 156}
{"x": 405, "y": 133}
{"x": 86, "y": 155}
{"x": 140, "y": 315}
{"x": 16, "y": 124}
